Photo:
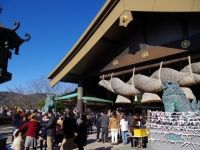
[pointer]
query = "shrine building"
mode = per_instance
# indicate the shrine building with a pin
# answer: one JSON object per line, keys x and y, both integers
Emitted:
{"x": 133, "y": 37}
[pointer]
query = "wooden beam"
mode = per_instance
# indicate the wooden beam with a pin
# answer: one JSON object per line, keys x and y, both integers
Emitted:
{"x": 147, "y": 53}
{"x": 146, "y": 67}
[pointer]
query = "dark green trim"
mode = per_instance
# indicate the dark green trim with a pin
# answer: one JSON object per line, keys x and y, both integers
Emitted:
{"x": 66, "y": 97}
{"x": 86, "y": 99}
{"x": 97, "y": 100}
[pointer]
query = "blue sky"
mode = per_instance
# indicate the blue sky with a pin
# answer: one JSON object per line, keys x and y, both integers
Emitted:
{"x": 54, "y": 27}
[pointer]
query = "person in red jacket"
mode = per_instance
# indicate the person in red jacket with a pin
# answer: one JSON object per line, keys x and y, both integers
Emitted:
{"x": 32, "y": 131}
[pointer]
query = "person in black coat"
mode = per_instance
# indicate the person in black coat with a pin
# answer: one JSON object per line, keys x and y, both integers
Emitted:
{"x": 98, "y": 125}
{"x": 81, "y": 139}
{"x": 104, "y": 119}
{"x": 16, "y": 119}
{"x": 43, "y": 132}
{"x": 51, "y": 129}
{"x": 69, "y": 131}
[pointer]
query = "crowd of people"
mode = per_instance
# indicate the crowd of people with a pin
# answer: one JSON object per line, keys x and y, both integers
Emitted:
{"x": 50, "y": 129}
{"x": 118, "y": 123}
{"x": 5, "y": 111}
{"x": 68, "y": 129}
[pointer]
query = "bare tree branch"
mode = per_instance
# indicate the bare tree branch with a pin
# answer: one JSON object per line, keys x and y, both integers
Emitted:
{"x": 30, "y": 96}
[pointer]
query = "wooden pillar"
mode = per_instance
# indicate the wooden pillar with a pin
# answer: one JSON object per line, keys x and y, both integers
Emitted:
{"x": 79, "y": 98}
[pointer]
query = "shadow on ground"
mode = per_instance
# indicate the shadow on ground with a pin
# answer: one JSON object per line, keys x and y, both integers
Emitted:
{"x": 104, "y": 148}
{"x": 89, "y": 141}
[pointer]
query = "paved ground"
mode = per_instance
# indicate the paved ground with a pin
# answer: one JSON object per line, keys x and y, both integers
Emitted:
{"x": 6, "y": 130}
{"x": 93, "y": 145}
